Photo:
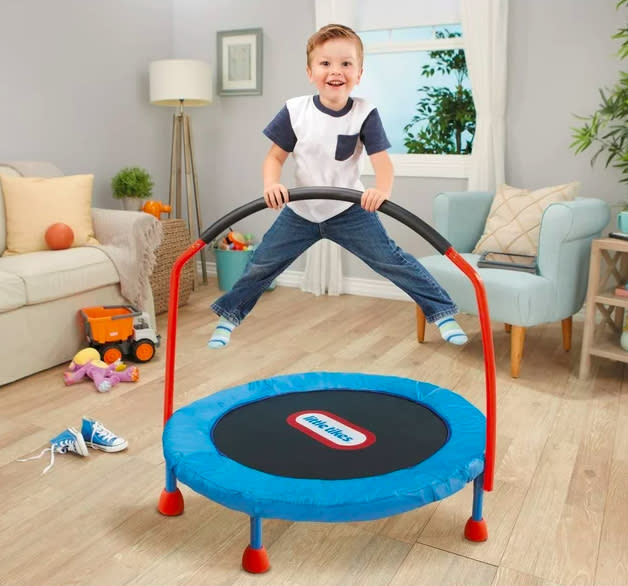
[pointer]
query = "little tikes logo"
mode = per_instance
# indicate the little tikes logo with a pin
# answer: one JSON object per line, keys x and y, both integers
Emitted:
{"x": 331, "y": 430}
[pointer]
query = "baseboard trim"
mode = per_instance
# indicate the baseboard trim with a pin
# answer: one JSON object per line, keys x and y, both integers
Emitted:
{"x": 350, "y": 285}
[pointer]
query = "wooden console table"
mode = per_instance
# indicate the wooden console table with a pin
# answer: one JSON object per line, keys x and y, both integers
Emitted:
{"x": 608, "y": 269}
{"x": 176, "y": 239}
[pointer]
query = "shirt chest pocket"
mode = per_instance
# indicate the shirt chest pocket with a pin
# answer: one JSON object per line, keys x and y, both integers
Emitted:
{"x": 345, "y": 146}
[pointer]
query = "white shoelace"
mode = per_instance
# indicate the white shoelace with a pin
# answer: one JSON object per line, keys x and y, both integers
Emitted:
{"x": 61, "y": 448}
{"x": 101, "y": 430}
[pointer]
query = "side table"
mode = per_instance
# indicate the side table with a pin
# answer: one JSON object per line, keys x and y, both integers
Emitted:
{"x": 608, "y": 269}
{"x": 176, "y": 239}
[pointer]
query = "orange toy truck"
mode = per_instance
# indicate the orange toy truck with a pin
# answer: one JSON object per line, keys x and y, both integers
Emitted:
{"x": 119, "y": 330}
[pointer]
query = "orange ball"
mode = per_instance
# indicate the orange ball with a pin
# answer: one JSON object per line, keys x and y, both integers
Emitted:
{"x": 59, "y": 236}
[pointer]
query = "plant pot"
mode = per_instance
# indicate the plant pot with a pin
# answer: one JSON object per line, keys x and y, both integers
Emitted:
{"x": 132, "y": 204}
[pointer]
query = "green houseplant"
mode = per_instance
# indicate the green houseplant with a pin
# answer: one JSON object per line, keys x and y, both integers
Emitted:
{"x": 132, "y": 185}
{"x": 607, "y": 128}
{"x": 448, "y": 113}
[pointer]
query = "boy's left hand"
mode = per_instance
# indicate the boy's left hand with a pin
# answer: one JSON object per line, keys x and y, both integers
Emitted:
{"x": 373, "y": 198}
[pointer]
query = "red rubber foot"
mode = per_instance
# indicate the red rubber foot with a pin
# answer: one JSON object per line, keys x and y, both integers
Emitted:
{"x": 255, "y": 561}
{"x": 476, "y": 530}
{"x": 170, "y": 503}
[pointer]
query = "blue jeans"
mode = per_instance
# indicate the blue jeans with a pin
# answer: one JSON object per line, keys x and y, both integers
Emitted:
{"x": 356, "y": 230}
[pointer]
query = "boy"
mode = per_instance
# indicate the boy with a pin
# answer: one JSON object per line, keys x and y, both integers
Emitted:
{"x": 326, "y": 134}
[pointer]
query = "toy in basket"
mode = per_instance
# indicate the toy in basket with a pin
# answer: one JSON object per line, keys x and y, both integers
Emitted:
{"x": 119, "y": 330}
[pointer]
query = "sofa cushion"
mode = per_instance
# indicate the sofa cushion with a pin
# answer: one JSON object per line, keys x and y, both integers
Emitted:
{"x": 514, "y": 220}
{"x": 52, "y": 274}
{"x": 12, "y": 292}
{"x": 32, "y": 204}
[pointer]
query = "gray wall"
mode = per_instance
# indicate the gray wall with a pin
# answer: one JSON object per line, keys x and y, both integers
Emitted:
{"x": 75, "y": 86}
{"x": 560, "y": 53}
{"x": 75, "y": 92}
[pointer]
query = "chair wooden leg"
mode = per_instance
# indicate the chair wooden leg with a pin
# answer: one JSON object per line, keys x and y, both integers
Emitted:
{"x": 517, "y": 337}
{"x": 420, "y": 325}
{"x": 566, "y": 324}
{"x": 507, "y": 328}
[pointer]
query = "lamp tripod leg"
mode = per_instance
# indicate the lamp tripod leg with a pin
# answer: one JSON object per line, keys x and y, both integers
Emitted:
{"x": 174, "y": 199}
{"x": 192, "y": 192}
{"x": 199, "y": 222}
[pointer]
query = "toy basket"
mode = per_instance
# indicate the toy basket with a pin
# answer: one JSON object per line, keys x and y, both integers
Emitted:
{"x": 230, "y": 265}
{"x": 176, "y": 239}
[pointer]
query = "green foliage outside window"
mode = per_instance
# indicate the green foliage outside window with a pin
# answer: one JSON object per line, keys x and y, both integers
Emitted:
{"x": 448, "y": 113}
{"x": 607, "y": 128}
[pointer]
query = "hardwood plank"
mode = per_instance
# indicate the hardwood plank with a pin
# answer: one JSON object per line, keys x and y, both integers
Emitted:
{"x": 426, "y": 566}
{"x": 612, "y": 566}
{"x": 508, "y": 577}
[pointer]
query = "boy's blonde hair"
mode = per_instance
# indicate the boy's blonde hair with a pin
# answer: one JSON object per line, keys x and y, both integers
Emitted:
{"x": 334, "y": 31}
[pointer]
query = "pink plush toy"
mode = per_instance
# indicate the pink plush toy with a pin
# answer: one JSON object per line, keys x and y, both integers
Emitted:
{"x": 87, "y": 363}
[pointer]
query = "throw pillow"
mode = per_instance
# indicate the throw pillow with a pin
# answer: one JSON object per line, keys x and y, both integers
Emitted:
{"x": 32, "y": 204}
{"x": 514, "y": 220}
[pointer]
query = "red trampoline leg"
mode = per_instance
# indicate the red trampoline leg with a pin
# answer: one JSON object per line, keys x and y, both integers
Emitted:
{"x": 170, "y": 503}
{"x": 170, "y": 499}
{"x": 475, "y": 529}
{"x": 255, "y": 559}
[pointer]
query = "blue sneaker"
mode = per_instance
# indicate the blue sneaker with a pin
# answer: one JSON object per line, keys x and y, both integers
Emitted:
{"x": 97, "y": 436}
{"x": 69, "y": 440}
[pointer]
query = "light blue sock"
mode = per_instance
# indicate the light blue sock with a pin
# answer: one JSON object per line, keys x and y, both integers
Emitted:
{"x": 450, "y": 331}
{"x": 222, "y": 334}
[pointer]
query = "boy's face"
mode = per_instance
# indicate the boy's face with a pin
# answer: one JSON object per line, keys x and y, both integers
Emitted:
{"x": 335, "y": 70}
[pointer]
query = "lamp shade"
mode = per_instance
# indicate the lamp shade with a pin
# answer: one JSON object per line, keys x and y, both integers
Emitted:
{"x": 173, "y": 80}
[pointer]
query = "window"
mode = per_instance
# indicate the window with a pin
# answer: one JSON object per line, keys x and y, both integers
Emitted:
{"x": 417, "y": 77}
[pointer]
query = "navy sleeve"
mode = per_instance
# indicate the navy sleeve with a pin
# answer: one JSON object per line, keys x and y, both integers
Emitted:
{"x": 373, "y": 135}
{"x": 280, "y": 131}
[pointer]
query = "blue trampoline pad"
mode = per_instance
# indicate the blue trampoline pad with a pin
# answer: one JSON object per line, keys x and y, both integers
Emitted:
{"x": 326, "y": 446}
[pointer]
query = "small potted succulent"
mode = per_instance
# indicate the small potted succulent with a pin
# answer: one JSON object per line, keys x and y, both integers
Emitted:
{"x": 132, "y": 185}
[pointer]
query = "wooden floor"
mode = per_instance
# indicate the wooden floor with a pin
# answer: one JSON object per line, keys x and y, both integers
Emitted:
{"x": 558, "y": 514}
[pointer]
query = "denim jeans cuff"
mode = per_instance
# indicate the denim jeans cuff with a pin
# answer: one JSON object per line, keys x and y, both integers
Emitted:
{"x": 441, "y": 314}
{"x": 226, "y": 314}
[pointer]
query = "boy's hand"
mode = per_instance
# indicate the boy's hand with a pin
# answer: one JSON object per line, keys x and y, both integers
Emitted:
{"x": 373, "y": 198}
{"x": 276, "y": 195}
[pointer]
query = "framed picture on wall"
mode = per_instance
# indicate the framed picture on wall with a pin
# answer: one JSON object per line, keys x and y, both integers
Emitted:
{"x": 239, "y": 62}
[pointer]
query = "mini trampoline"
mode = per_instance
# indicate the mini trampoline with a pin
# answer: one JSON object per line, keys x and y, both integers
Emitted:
{"x": 328, "y": 446}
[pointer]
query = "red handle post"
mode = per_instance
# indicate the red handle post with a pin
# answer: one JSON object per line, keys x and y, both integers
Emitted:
{"x": 489, "y": 364}
{"x": 173, "y": 311}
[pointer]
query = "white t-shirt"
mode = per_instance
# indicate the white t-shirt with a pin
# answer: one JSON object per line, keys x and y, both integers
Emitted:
{"x": 327, "y": 147}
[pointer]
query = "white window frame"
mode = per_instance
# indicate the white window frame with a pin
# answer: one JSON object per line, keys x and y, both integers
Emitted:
{"x": 409, "y": 165}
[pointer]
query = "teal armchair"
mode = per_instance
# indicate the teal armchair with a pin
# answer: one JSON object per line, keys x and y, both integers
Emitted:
{"x": 518, "y": 299}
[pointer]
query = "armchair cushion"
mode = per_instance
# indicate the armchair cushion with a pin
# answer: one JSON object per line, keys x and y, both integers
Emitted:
{"x": 513, "y": 296}
{"x": 514, "y": 219}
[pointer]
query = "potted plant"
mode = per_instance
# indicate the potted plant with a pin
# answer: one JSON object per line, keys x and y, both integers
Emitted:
{"x": 132, "y": 185}
{"x": 607, "y": 128}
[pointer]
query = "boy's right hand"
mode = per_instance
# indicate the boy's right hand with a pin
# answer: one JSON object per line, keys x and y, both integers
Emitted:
{"x": 276, "y": 195}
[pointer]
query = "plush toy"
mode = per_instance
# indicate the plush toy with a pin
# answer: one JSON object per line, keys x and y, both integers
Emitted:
{"x": 87, "y": 363}
{"x": 156, "y": 208}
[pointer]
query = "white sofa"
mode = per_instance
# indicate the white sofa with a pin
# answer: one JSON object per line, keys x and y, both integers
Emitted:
{"x": 41, "y": 292}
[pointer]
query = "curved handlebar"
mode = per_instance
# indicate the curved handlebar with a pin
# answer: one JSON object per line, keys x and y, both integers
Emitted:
{"x": 334, "y": 193}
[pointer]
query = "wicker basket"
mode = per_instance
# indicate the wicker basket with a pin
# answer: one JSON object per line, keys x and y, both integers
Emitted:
{"x": 176, "y": 239}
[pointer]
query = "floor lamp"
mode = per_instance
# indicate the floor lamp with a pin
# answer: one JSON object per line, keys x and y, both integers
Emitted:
{"x": 180, "y": 83}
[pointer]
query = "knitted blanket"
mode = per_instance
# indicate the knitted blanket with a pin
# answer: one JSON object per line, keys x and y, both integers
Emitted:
{"x": 130, "y": 243}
